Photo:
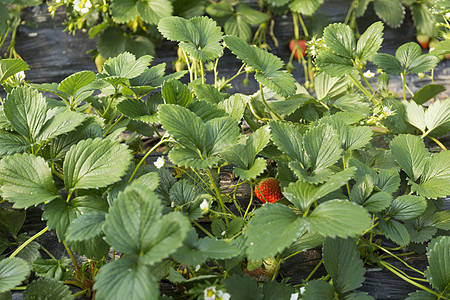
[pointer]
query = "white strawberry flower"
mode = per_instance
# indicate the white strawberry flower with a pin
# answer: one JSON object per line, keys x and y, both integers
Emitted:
{"x": 369, "y": 74}
{"x": 159, "y": 163}
{"x": 204, "y": 205}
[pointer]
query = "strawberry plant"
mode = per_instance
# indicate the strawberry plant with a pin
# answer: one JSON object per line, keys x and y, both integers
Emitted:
{"x": 344, "y": 170}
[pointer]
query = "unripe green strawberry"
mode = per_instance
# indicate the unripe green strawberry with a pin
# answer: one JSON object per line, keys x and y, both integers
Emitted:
{"x": 423, "y": 40}
{"x": 268, "y": 190}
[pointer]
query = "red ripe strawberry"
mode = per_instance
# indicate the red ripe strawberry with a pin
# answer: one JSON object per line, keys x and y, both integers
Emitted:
{"x": 423, "y": 40}
{"x": 270, "y": 190}
{"x": 301, "y": 45}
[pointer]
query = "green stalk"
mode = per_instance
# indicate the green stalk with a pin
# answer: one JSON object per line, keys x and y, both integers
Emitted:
{"x": 239, "y": 72}
{"x": 359, "y": 85}
{"x": 145, "y": 156}
{"x": 202, "y": 70}
{"x": 112, "y": 125}
{"x": 29, "y": 241}
{"x": 251, "y": 201}
{"x": 404, "y": 84}
{"x": 203, "y": 229}
{"x": 218, "y": 196}
{"x": 438, "y": 143}
{"x": 389, "y": 267}
{"x": 267, "y": 104}
{"x": 314, "y": 270}
{"x": 110, "y": 101}
{"x": 399, "y": 259}
{"x": 305, "y": 31}
{"x": 72, "y": 258}
{"x": 188, "y": 66}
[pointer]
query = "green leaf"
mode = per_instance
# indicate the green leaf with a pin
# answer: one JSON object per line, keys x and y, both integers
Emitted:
{"x": 12, "y": 272}
{"x": 241, "y": 288}
{"x": 338, "y": 218}
{"x": 95, "y": 163}
{"x": 94, "y": 247}
{"x": 306, "y": 241}
{"x": 421, "y": 295}
{"x": 126, "y": 66}
{"x": 208, "y": 93}
{"x": 323, "y": 147}
{"x": 387, "y": 180}
{"x": 273, "y": 228}
{"x": 438, "y": 271}
{"x": 415, "y": 114}
{"x": 186, "y": 197}
{"x": 52, "y": 268}
{"x": 378, "y": 201}
{"x": 277, "y": 290}
{"x": 59, "y": 215}
{"x": 134, "y": 225}
{"x": 358, "y": 137}
{"x": 438, "y": 114}
{"x": 11, "y": 143}
{"x": 174, "y": 92}
{"x": 124, "y": 11}
{"x": 151, "y": 11}
{"x": 388, "y": 63}
{"x": 185, "y": 126}
{"x": 318, "y": 289}
{"x": 114, "y": 41}
{"x": 199, "y": 37}
{"x": 410, "y": 153}
{"x": 126, "y": 278}
{"x": 11, "y": 220}
{"x": 234, "y": 107}
{"x": 423, "y": 63}
{"x": 61, "y": 123}
{"x": 250, "y": 15}
{"x": 47, "y": 288}
{"x": 327, "y": 86}
{"x": 196, "y": 251}
{"x": 290, "y": 105}
{"x": 440, "y": 219}
{"x": 427, "y": 92}
{"x": 441, "y": 48}
{"x": 26, "y": 180}
{"x": 355, "y": 105}
{"x": 257, "y": 168}
{"x": 236, "y": 26}
{"x": 137, "y": 110}
{"x": 362, "y": 189}
{"x": 266, "y": 64}
{"x": 390, "y": 11}
{"x": 305, "y": 7}
{"x": 395, "y": 231}
{"x": 303, "y": 194}
{"x": 411, "y": 58}
{"x": 419, "y": 234}
{"x": 9, "y": 67}
{"x": 221, "y": 135}
{"x": 370, "y": 42}
{"x": 26, "y": 110}
{"x": 408, "y": 207}
{"x": 206, "y": 111}
{"x": 333, "y": 64}
{"x": 185, "y": 157}
{"x": 340, "y": 40}
{"x": 74, "y": 84}
{"x": 289, "y": 140}
{"x": 86, "y": 226}
{"x": 343, "y": 263}
{"x": 219, "y": 10}
{"x": 423, "y": 18}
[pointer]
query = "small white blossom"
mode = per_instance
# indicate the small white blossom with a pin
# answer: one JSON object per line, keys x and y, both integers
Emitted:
{"x": 82, "y": 6}
{"x": 294, "y": 296}
{"x": 447, "y": 15}
{"x": 33, "y": 34}
{"x": 226, "y": 296}
{"x": 223, "y": 233}
{"x": 197, "y": 268}
{"x": 210, "y": 293}
{"x": 369, "y": 74}
{"x": 159, "y": 163}
{"x": 204, "y": 205}
{"x": 387, "y": 111}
